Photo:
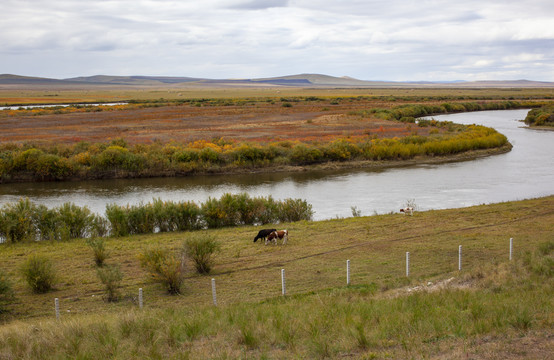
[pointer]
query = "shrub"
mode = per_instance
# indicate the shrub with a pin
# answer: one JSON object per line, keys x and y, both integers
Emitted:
{"x": 184, "y": 215}
{"x": 39, "y": 272}
{"x": 6, "y": 292}
{"x": 78, "y": 220}
{"x": 200, "y": 249}
{"x": 294, "y": 210}
{"x": 164, "y": 267}
{"x": 98, "y": 226}
{"x": 110, "y": 276}
{"x": 118, "y": 219}
{"x": 17, "y": 221}
{"x": 98, "y": 249}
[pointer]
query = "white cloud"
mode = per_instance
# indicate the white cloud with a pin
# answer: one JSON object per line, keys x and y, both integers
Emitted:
{"x": 396, "y": 40}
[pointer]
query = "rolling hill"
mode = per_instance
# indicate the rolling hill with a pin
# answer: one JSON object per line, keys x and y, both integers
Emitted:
{"x": 299, "y": 80}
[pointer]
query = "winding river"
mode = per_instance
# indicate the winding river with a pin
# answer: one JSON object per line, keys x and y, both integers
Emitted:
{"x": 525, "y": 172}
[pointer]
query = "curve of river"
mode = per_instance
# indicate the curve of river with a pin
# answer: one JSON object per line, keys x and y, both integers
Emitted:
{"x": 525, "y": 172}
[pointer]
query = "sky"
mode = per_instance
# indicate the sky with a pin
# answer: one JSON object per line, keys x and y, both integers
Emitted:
{"x": 396, "y": 40}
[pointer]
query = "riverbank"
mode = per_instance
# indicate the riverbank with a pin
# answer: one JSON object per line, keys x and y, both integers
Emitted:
{"x": 117, "y": 160}
{"x": 484, "y": 309}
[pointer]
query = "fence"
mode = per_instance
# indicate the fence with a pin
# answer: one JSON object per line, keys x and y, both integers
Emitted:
{"x": 408, "y": 265}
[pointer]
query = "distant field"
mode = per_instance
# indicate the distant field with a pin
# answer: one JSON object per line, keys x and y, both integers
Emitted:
{"x": 241, "y": 114}
{"x": 20, "y": 94}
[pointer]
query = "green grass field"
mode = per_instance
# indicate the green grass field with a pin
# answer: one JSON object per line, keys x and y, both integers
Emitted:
{"x": 494, "y": 308}
{"x": 110, "y": 94}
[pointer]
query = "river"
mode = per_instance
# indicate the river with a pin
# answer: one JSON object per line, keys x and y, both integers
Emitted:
{"x": 525, "y": 172}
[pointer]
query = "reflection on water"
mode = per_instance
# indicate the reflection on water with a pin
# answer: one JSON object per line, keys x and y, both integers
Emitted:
{"x": 527, "y": 171}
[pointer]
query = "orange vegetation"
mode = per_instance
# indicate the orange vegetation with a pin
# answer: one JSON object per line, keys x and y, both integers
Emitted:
{"x": 259, "y": 120}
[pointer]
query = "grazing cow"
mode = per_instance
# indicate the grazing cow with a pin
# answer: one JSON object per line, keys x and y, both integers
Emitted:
{"x": 262, "y": 234}
{"x": 281, "y": 234}
{"x": 407, "y": 210}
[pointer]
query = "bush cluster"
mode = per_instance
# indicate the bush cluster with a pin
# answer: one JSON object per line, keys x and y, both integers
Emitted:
{"x": 200, "y": 249}
{"x": 26, "y": 221}
{"x": 40, "y": 273}
{"x": 543, "y": 116}
{"x": 166, "y": 267}
{"x": 408, "y": 113}
{"x": 229, "y": 210}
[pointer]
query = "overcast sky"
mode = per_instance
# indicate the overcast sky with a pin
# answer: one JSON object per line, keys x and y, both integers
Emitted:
{"x": 402, "y": 40}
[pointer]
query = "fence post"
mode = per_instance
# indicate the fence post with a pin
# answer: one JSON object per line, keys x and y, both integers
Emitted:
{"x": 283, "y": 288}
{"x": 57, "y": 308}
{"x": 140, "y": 298}
{"x": 460, "y": 258}
{"x": 407, "y": 263}
{"x": 214, "y": 296}
{"x": 347, "y": 272}
{"x": 511, "y": 248}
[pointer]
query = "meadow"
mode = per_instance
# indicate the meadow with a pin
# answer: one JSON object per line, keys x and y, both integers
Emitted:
{"x": 493, "y": 308}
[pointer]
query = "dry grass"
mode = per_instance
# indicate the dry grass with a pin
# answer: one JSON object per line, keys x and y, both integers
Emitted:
{"x": 314, "y": 257}
{"x": 493, "y": 309}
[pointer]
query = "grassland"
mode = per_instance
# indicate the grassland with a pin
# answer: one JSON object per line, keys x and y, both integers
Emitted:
{"x": 493, "y": 309}
{"x": 20, "y": 95}
{"x": 214, "y": 135}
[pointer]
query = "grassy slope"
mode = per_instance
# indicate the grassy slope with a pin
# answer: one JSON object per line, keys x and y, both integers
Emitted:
{"x": 368, "y": 319}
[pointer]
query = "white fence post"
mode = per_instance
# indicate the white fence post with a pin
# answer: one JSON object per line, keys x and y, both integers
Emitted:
{"x": 347, "y": 272}
{"x": 511, "y": 248}
{"x": 214, "y": 296}
{"x": 140, "y": 298}
{"x": 460, "y": 258}
{"x": 57, "y": 308}
{"x": 283, "y": 288}
{"x": 407, "y": 263}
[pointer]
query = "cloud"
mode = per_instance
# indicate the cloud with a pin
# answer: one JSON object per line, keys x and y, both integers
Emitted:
{"x": 367, "y": 39}
{"x": 258, "y": 4}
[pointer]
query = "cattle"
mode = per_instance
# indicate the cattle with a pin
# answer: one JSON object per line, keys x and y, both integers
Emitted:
{"x": 275, "y": 235}
{"x": 263, "y": 234}
{"x": 407, "y": 210}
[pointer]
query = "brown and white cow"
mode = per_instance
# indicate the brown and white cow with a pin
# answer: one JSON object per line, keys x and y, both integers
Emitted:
{"x": 407, "y": 210}
{"x": 280, "y": 234}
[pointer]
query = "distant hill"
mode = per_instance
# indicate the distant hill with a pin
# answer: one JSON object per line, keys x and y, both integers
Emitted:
{"x": 300, "y": 80}
{"x": 16, "y": 80}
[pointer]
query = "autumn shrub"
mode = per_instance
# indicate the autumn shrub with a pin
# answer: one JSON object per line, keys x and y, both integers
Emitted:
{"x": 118, "y": 219}
{"x": 39, "y": 273}
{"x": 341, "y": 150}
{"x": 165, "y": 267}
{"x": 47, "y": 223}
{"x": 110, "y": 276}
{"x": 185, "y": 155}
{"x": 78, "y": 220}
{"x": 200, "y": 248}
{"x": 98, "y": 247}
{"x": 18, "y": 220}
{"x": 140, "y": 219}
{"x": 290, "y": 210}
{"x": 183, "y": 216}
{"x": 543, "y": 116}
{"x": 219, "y": 212}
{"x": 302, "y": 154}
{"x": 209, "y": 155}
{"x": 99, "y": 226}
